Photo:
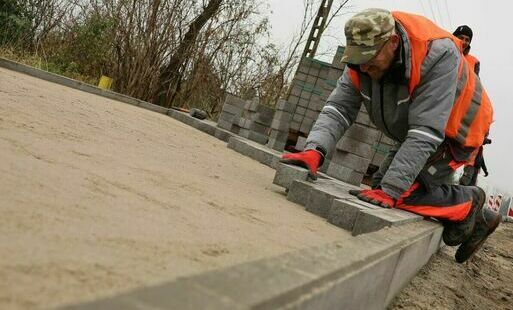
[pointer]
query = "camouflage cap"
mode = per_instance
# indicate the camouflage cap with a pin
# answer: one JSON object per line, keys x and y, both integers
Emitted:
{"x": 366, "y": 33}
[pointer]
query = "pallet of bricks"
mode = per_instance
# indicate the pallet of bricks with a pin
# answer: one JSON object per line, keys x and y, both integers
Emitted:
{"x": 307, "y": 95}
{"x": 247, "y": 118}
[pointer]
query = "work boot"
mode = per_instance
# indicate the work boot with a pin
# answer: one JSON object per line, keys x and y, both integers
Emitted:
{"x": 457, "y": 232}
{"x": 486, "y": 223}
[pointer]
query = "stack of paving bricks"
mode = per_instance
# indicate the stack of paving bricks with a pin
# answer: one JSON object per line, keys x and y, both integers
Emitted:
{"x": 231, "y": 113}
{"x": 280, "y": 125}
{"x": 256, "y": 121}
{"x": 354, "y": 151}
{"x": 247, "y": 118}
{"x": 307, "y": 94}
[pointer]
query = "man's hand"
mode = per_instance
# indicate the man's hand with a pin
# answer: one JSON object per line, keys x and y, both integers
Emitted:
{"x": 375, "y": 196}
{"x": 309, "y": 159}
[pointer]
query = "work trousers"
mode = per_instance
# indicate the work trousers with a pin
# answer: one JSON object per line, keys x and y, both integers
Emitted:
{"x": 434, "y": 195}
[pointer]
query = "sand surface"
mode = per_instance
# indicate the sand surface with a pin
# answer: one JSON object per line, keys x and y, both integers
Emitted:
{"x": 98, "y": 197}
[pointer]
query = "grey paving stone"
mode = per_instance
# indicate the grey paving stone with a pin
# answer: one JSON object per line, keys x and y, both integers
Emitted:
{"x": 223, "y": 134}
{"x": 231, "y": 109}
{"x": 224, "y": 124}
{"x": 356, "y": 147}
{"x": 300, "y": 143}
{"x": 322, "y": 195}
{"x": 279, "y": 135}
{"x": 286, "y": 174}
{"x": 299, "y": 191}
{"x": 256, "y": 127}
{"x": 283, "y": 125}
{"x": 278, "y": 145}
{"x": 235, "y": 101}
{"x": 258, "y": 137}
{"x": 362, "y": 133}
{"x": 311, "y": 114}
{"x": 352, "y": 161}
{"x": 363, "y": 118}
{"x": 343, "y": 212}
{"x": 260, "y": 153}
{"x": 373, "y": 220}
{"x": 285, "y": 106}
{"x": 345, "y": 174}
{"x": 303, "y": 102}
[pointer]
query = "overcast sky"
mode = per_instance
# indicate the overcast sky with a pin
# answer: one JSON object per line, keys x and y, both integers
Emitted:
{"x": 492, "y": 44}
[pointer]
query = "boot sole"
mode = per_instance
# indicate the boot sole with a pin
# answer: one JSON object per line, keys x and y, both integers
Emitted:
{"x": 478, "y": 245}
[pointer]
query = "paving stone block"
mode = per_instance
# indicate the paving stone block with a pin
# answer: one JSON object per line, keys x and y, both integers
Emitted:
{"x": 311, "y": 114}
{"x": 259, "y": 128}
{"x": 278, "y": 125}
{"x": 298, "y": 118}
{"x": 363, "y": 118}
{"x": 322, "y": 196}
{"x": 295, "y": 125}
{"x": 299, "y": 192}
{"x": 260, "y": 153}
{"x": 350, "y": 145}
{"x": 296, "y": 91}
{"x": 343, "y": 212}
{"x": 362, "y": 133}
{"x": 292, "y": 99}
{"x": 258, "y": 137}
{"x": 345, "y": 174}
{"x": 351, "y": 161}
{"x": 373, "y": 220}
{"x": 310, "y": 79}
{"x": 300, "y": 111}
{"x": 231, "y": 109}
{"x": 286, "y": 174}
{"x": 224, "y": 124}
{"x": 265, "y": 114}
{"x": 252, "y": 105}
{"x": 303, "y": 102}
{"x": 317, "y": 105}
{"x": 279, "y": 135}
{"x": 285, "y": 106}
{"x": 278, "y": 145}
{"x": 235, "y": 101}
{"x": 282, "y": 116}
{"x": 306, "y": 125}
{"x": 300, "y": 143}
{"x": 300, "y": 76}
{"x": 223, "y": 134}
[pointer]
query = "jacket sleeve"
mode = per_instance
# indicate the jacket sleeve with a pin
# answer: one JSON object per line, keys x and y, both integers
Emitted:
{"x": 428, "y": 114}
{"x": 336, "y": 116}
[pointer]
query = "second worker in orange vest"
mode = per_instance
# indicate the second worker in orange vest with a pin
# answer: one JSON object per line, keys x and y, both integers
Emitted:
{"x": 420, "y": 91}
{"x": 464, "y": 33}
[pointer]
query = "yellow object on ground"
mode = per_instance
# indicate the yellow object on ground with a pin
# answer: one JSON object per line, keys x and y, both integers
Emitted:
{"x": 105, "y": 82}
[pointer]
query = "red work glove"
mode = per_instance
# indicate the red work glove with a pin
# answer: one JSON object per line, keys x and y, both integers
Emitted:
{"x": 309, "y": 159}
{"x": 375, "y": 196}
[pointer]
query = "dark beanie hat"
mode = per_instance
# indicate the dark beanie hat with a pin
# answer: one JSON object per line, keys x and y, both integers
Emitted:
{"x": 464, "y": 30}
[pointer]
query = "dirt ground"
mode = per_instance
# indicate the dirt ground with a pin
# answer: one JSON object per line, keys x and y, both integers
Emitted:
{"x": 99, "y": 197}
{"x": 484, "y": 282}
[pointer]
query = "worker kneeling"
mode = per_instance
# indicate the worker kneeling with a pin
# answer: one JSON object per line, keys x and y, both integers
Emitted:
{"x": 419, "y": 90}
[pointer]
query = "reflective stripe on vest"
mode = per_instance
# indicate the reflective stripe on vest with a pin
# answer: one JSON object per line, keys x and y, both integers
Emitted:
{"x": 472, "y": 112}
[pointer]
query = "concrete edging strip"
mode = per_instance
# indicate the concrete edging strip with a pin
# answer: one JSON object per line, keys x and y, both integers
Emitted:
{"x": 61, "y": 80}
{"x": 365, "y": 273}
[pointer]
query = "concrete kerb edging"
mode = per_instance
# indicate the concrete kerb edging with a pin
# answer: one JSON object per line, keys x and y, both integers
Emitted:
{"x": 61, "y": 80}
{"x": 365, "y": 272}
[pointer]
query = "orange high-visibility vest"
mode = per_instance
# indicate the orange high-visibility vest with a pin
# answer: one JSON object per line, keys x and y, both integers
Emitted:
{"x": 472, "y": 61}
{"x": 472, "y": 112}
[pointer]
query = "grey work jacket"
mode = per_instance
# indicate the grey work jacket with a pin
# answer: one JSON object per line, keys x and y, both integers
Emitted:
{"x": 417, "y": 122}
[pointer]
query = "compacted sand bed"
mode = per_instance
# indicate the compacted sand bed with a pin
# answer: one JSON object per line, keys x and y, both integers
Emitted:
{"x": 99, "y": 197}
